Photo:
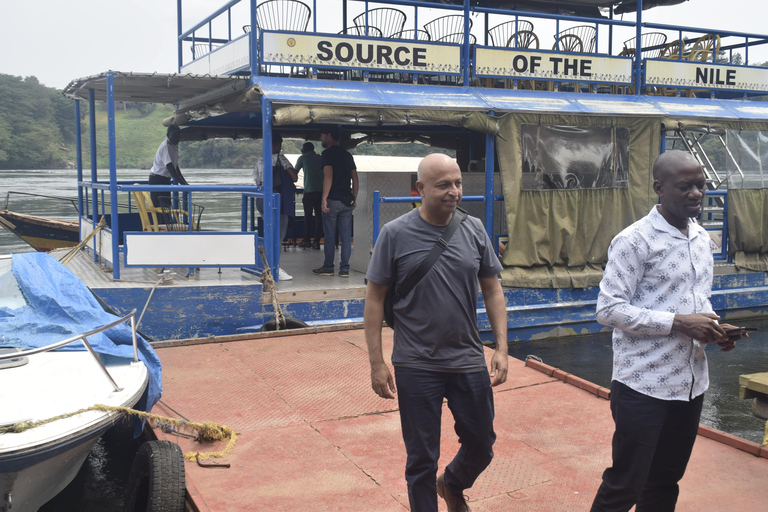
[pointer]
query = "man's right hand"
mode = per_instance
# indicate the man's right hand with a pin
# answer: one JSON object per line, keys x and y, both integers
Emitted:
{"x": 381, "y": 381}
{"x": 700, "y": 326}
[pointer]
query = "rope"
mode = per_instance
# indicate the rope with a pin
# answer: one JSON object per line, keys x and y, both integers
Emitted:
{"x": 269, "y": 282}
{"x": 207, "y": 431}
{"x": 73, "y": 252}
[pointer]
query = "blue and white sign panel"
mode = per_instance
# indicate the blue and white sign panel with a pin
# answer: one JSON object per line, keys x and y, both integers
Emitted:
{"x": 702, "y": 75}
{"x": 360, "y": 53}
{"x": 576, "y": 67}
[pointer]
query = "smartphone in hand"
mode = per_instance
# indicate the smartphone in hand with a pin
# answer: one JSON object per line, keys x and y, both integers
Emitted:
{"x": 739, "y": 330}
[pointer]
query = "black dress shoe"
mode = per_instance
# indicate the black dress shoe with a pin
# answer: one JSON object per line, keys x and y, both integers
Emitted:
{"x": 306, "y": 243}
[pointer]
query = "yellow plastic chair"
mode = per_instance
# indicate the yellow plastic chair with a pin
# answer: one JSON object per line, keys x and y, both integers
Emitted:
{"x": 146, "y": 208}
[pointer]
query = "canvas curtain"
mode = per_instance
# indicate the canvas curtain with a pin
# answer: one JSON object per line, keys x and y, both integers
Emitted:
{"x": 560, "y": 238}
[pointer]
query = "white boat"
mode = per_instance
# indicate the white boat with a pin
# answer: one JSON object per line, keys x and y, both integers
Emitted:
{"x": 36, "y": 464}
{"x": 43, "y": 380}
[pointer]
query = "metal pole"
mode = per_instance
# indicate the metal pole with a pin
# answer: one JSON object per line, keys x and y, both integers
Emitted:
{"x": 638, "y": 44}
{"x": 94, "y": 173}
{"x": 79, "y": 157}
{"x": 490, "y": 163}
{"x": 271, "y": 231}
{"x": 113, "y": 175}
{"x": 465, "y": 47}
{"x": 376, "y": 215}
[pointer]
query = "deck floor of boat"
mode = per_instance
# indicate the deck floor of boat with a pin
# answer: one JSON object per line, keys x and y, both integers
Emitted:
{"x": 313, "y": 436}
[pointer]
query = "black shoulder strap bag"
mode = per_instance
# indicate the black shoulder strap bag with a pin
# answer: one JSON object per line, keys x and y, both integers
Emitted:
{"x": 395, "y": 293}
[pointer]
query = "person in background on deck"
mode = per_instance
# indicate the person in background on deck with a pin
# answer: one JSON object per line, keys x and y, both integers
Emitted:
{"x": 313, "y": 194}
{"x": 283, "y": 178}
{"x": 338, "y": 202}
{"x": 165, "y": 167}
{"x": 437, "y": 348}
{"x": 655, "y": 294}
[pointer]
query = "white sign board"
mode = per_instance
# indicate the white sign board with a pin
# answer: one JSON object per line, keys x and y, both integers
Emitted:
{"x": 680, "y": 73}
{"x": 349, "y": 52}
{"x": 190, "y": 250}
{"x": 576, "y": 67}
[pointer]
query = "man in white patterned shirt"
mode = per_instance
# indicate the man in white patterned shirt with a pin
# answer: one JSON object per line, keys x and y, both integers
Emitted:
{"x": 655, "y": 294}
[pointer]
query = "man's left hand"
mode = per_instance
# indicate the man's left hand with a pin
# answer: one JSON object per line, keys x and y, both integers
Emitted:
{"x": 499, "y": 368}
{"x": 729, "y": 343}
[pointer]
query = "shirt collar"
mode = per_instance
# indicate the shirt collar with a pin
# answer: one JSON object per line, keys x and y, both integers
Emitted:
{"x": 660, "y": 223}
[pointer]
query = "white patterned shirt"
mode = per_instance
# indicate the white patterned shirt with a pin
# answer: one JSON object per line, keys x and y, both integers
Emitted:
{"x": 654, "y": 272}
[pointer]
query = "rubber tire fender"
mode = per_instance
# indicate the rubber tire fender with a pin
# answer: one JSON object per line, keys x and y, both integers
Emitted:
{"x": 290, "y": 323}
{"x": 156, "y": 481}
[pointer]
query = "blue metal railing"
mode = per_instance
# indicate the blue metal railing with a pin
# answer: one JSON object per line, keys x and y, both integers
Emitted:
{"x": 711, "y": 199}
{"x": 378, "y": 200}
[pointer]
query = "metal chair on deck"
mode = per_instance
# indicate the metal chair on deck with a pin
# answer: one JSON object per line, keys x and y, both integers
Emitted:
{"x": 520, "y": 39}
{"x": 283, "y": 15}
{"x": 413, "y": 35}
{"x": 586, "y": 35}
{"x": 387, "y": 20}
{"x": 360, "y": 31}
{"x": 457, "y": 38}
{"x": 446, "y": 27}
{"x": 578, "y": 39}
{"x": 507, "y": 34}
{"x": 652, "y": 44}
{"x": 200, "y": 49}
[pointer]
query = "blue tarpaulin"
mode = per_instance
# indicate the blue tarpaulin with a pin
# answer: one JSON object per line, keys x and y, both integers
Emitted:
{"x": 59, "y": 306}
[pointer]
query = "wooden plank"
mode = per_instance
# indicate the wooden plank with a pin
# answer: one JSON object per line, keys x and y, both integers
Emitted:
{"x": 753, "y": 385}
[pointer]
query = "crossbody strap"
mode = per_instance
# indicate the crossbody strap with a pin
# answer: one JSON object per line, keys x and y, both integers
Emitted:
{"x": 415, "y": 276}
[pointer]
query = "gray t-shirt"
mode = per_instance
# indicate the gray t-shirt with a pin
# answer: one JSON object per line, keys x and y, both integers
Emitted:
{"x": 436, "y": 324}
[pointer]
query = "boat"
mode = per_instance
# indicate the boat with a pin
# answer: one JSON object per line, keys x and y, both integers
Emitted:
{"x": 60, "y": 356}
{"x": 555, "y": 112}
{"x": 42, "y": 233}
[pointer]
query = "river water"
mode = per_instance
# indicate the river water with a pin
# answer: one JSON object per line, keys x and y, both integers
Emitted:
{"x": 101, "y": 483}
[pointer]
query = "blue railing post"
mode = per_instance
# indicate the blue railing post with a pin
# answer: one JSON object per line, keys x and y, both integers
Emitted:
{"x": 465, "y": 46}
{"x": 113, "y": 175}
{"x": 94, "y": 173}
{"x": 638, "y": 45}
{"x": 271, "y": 222}
{"x": 178, "y": 35}
{"x": 79, "y": 160}
{"x": 376, "y": 215}
{"x": 490, "y": 163}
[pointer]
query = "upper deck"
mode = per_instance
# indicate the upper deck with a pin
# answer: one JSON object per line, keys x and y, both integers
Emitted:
{"x": 486, "y": 45}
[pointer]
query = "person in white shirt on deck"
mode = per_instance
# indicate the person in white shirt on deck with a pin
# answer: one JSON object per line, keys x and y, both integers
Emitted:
{"x": 165, "y": 167}
{"x": 655, "y": 294}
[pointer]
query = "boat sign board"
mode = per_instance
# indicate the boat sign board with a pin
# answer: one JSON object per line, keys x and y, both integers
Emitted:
{"x": 190, "y": 249}
{"x": 577, "y": 67}
{"x": 676, "y": 73}
{"x": 360, "y": 53}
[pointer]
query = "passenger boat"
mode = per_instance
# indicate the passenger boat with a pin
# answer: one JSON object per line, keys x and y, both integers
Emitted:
{"x": 46, "y": 372}
{"x": 555, "y": 110}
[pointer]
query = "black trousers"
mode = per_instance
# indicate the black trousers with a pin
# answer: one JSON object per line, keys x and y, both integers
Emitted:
{"x": 651, "y": 448}
{"x": 313, "y": 202}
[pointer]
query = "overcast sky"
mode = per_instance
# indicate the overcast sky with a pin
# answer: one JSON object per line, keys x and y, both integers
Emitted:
{"x": 58, "y": 41}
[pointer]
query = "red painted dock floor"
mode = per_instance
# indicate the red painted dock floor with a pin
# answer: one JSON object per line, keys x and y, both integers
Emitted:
{"x": 314, "y": 437}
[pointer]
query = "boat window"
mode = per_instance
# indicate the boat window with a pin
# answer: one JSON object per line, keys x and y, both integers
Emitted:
{"x": 747, "y": 159}
{"x": 574, "y": 157}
